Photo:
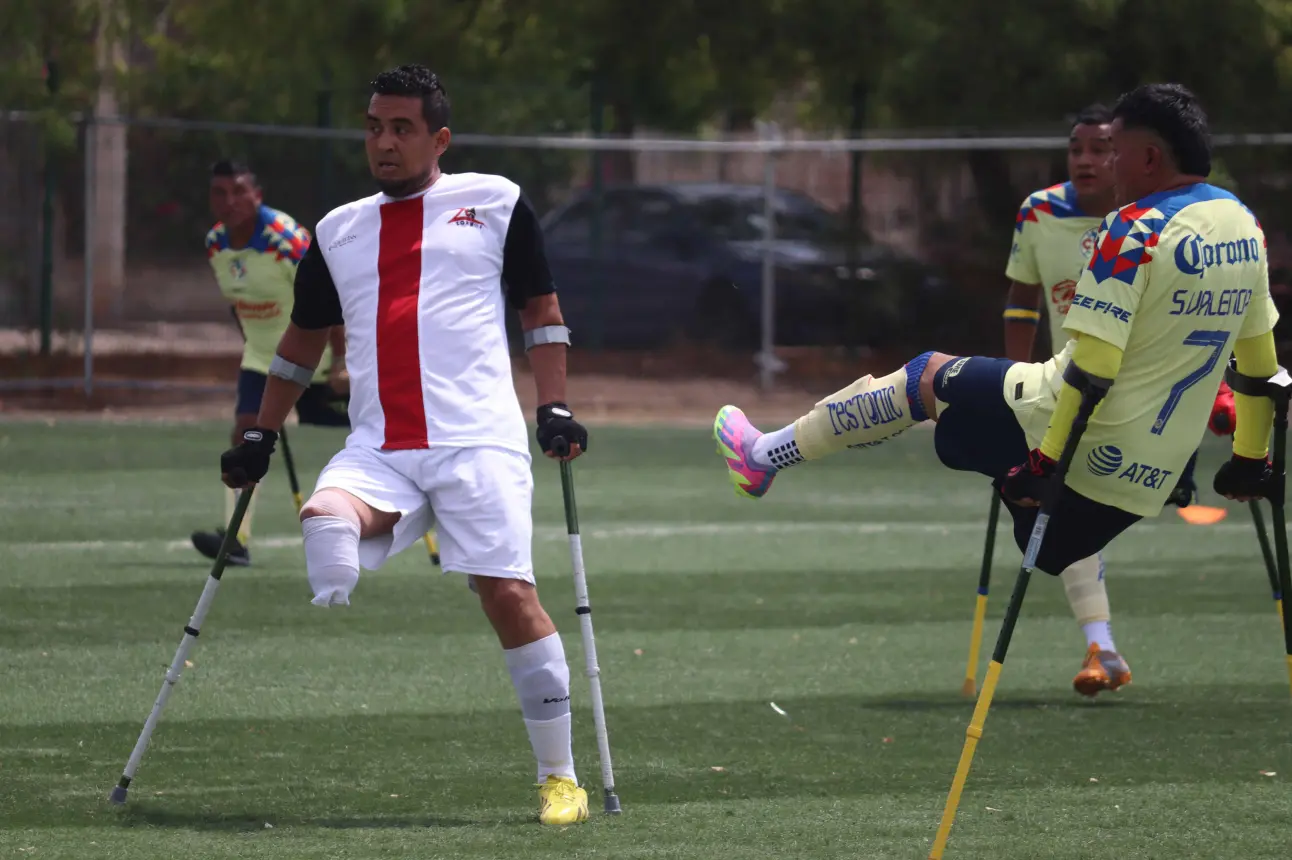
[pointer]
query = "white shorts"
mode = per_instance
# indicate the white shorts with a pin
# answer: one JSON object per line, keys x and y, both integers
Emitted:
{"x": 477, "y": 498}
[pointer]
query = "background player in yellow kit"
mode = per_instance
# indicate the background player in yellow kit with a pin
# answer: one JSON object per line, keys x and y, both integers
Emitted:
{"x": 253, "y": 251}
{"x": 1054, "y": 237}
{"x": 1177, "y": 282}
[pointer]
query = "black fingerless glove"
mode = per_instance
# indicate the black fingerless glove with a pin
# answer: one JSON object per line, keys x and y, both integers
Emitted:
{"x": 248, "y": 462}
{"x": 556, "y": 421}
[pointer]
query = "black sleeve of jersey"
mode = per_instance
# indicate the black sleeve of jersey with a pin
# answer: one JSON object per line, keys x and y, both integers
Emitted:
{"x": 525, "y": 272}
{"x": 316, "y": 303}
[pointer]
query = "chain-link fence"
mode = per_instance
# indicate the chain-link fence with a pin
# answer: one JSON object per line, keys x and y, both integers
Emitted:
{"x": 756, "y": 251}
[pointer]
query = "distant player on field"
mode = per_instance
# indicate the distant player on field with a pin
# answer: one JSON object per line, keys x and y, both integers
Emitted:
{"x": 422, "y": 274}
{"x": 1177, "y": 282}
{"x": 253, "y": 251}
{"x": 1054, "y": 238}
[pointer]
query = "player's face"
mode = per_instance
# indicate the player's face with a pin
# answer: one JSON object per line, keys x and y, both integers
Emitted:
{"x": 1090, "y": 159}
{"x": 235, "y": 200}
{"x": 402, "y": 151}
{"x": 1137, "y": 158}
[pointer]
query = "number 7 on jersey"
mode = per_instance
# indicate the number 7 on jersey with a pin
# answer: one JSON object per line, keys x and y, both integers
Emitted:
{"x": 1217, "y": 341}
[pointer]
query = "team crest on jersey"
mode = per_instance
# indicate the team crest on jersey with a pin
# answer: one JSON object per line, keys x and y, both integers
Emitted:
{"x": 1088, "y": 241}
{"x": 237, "y": 268}
{"x": 1061, "y": 295}
{"x": 467, "y": 218}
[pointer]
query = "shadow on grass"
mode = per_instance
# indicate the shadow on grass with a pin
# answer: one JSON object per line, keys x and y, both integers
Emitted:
{"x": 149, "y": 816}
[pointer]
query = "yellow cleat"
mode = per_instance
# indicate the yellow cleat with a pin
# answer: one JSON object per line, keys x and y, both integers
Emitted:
{"x": 1102, "y": 670}
{"x": 561, "y": 801}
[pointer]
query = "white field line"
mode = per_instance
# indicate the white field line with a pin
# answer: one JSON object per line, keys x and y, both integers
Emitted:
{"x": 630, "y": 531}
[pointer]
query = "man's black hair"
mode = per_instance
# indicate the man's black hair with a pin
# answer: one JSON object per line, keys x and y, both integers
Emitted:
{"x": 232, "y": 168}
{"x": 1174, "y": 114}
{"x": 420, "y": 82}
{"x": 1095, "y": 114}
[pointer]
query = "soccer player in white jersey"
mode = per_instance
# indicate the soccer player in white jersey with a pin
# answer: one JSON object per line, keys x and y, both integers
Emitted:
{"x": 421, "y": 275}
{"x": 1177, "y": 282}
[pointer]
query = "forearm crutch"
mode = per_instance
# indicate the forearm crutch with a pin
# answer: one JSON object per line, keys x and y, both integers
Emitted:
{"x": 191, "y": 631}
{"x": 1278, "y": 388}
{"x": 970, "y": 687}
{"x": 1093, "y": 389}
{"x": 561, "y": 448}
{"x": 1267, "y": 553}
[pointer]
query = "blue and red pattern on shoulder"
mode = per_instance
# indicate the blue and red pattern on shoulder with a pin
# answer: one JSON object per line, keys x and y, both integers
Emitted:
{"x": 217, "y": 239}
{"x": 1057, "y": 201}
{"x": 281, "y": 236}
{"x": 1137, "y": 227}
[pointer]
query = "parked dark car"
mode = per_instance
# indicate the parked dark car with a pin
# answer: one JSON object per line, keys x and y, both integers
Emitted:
{"x": 664, "y": 262}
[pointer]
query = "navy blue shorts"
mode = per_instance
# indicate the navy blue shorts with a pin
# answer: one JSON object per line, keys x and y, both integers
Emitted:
{"x": 318, "y": 404}
{"x": 977, "y": 432}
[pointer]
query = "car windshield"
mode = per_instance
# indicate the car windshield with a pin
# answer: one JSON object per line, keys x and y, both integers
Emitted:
{"x": 740, "y": 219}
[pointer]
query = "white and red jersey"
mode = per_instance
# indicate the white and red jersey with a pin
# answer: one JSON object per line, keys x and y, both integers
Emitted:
{"x": 421, "y": 284}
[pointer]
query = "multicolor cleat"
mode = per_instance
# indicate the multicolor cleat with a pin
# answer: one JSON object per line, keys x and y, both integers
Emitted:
{"x": 1102, "y": 670}
{"x": 736, "y": 438}
{"x": 561, "y": 801}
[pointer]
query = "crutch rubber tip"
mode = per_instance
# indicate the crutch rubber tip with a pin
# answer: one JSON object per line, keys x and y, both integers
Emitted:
{"x": 969, "y": 689}
{"x": 435, "y": 559}
{"x": 118, "y": 796}
{"x": 612, "y": 804}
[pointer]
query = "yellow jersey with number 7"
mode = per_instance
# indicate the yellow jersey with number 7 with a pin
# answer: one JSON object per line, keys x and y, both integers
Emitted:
{"x": 1175, "y": 280}
{"x": 1053, "y": 241}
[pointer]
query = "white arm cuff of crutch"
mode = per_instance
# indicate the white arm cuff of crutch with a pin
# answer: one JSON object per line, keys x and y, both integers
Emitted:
{"x": 546, "y": 334}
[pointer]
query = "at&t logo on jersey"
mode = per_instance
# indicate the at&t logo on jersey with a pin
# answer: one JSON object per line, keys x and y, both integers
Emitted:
{"x": 1194, "y": 255}
{"x": 1104, "y": 460}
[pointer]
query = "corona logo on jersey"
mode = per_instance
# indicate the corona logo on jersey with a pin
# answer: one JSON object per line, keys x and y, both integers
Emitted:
{"x": 1194, "y": 255}
{"x": 1061, "y": 295}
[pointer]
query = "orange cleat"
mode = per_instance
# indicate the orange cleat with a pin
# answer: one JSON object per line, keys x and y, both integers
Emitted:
{"x": 1102, "y": 670}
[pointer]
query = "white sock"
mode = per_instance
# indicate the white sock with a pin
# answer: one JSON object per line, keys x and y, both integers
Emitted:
{"x": 1099, "y": 633}
{"x": 542, "y": 681}
{"x": 777, "y": 449}
{"x": 331, "y": 558}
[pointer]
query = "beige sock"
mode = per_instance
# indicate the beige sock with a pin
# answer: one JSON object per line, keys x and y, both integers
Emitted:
{"x": 231, "y": 501}
{"x": 1086, "y": 592}
{"x": 865, "y": 413}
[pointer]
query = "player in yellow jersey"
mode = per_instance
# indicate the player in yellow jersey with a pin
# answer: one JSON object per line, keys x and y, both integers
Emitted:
{"x": 253, "y": 251}
{"x": 1177, "y": 282}
{"x": 1054, "y": 236}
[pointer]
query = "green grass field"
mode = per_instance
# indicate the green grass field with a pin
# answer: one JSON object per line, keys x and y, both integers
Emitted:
{"x": 389, "y": 729}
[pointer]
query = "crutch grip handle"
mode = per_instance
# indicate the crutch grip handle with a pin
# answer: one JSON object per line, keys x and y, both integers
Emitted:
{"x": 560, "y": 447}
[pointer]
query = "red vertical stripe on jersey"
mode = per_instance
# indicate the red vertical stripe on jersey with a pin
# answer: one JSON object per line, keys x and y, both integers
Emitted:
{"x": 399, "y": 364}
